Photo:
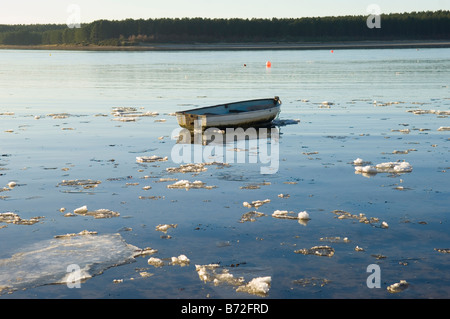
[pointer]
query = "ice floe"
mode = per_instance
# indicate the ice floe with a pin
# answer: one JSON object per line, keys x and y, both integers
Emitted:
{"x": 181, "y": 260}
{"x": 12, "y": 184}
{"x": 256, "y": 203}
{"x": 165, "y": 227}
{"x": 250, "y": 216}
{"x": 53, "y": 261}
{"x": 398, "y": 287}
{"x": 387, "y": 167}
{"x": 81, "y": 233}
{"x": 157, "y": 262}
{"x": 99, "y": 213}
{"x": 194, "y": 167}
{"x": 150, "y": 159}
{"x": 188, "y": 185}
{"x": 13, "y": 218}
{"x": 420, "y": 111}
{"x": 317, "y": 251}
{"x": 84, "y": 183}
{"x": 362, "y": 218}
{"x": 302, "y": 217}
{"x": 259, "y": 286}
{"x": 284, "y": 214}
{"x": 130, "y": 113}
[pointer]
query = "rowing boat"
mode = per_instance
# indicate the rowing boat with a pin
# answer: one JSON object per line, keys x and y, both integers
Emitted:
{"x": 237, "y": 114}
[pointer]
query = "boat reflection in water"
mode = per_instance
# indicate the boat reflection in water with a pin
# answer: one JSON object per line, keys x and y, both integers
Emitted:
{"x": 250, "y": 145}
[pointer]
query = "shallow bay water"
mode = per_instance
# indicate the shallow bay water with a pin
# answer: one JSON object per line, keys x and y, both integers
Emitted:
{"x": 370, "y": 95}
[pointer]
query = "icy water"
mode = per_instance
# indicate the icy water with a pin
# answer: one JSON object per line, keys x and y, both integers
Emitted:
{"x": 57, "y": 127}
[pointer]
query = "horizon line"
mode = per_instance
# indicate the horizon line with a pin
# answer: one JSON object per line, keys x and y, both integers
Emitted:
{"x": 230, "y": 18}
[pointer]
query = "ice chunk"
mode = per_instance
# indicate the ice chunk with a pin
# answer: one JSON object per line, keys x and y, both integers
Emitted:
{"x": 188, "y": 185}
{"x": 81, "y": 233}
{"x": 12, "y": 184}
{"x": 165, "y": 227}
{"x": 81, "y": 210}
{"x": 195, "y": 167}
{"x": 47, "y": 262}
{"x": 150, "y": 159}
{"x": 219, "y": 276}
{"x": 388, "y": 167}
{"x": 256, "y": 203}
{"x": 250, "y": 216}
{"x": 99, "y": 213}
{"x": 155, "y": 262}
{"x": 303, "y": 215}
{"x": 280, "y": 214}
{"x": 85, "y": 183}
{"x": 12, "y": 218}
{"x": 398, "y": 287}
{"x": 257, "y": 286}
{"x": 317, "y": 250}
{"x": 362, "y": 218}
{"x": 181, "y": 260}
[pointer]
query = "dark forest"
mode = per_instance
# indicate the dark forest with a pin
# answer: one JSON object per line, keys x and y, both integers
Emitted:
{"x": 401, "y": 26}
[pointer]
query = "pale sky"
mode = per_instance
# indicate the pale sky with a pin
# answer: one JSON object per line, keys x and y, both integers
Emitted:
{"x": 56, "y": 11}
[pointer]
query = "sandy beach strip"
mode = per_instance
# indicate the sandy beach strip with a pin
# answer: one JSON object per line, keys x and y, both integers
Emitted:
{"x": 243, "y": 46}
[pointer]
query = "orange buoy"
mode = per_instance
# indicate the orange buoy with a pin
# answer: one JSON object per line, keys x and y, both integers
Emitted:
{"x": 332, "y": 51}
{"x": 268, "y": 64}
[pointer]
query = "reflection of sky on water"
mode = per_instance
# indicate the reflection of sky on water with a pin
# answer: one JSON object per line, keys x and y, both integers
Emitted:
{"x": 315, "y": 165}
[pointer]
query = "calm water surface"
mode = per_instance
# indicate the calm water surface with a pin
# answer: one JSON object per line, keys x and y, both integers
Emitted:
{"x": 371, "y": 92}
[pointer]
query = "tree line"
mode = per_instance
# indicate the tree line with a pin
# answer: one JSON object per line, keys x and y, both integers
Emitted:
{"x": 427, "y": 25}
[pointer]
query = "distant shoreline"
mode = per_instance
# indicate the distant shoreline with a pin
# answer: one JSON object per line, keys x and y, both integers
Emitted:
{"x": 241, "y": 46}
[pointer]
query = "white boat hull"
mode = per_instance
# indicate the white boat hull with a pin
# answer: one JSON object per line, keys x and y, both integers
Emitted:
{"x": 247, "y": 115}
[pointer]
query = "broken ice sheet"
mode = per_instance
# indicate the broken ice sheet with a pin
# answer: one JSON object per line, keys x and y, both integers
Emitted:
{"x": 48, "y": 261}
{"x": 317, "y": 251}
{"x": 188, "y": 185}
{"x": 250, "y": 216}
{"x": 99, "y": 213}
{"x": 362, "y": 218}
{"x": 80, "y": 184}
{"x": 13, "y": 218}
{"x": 218, "y": 275}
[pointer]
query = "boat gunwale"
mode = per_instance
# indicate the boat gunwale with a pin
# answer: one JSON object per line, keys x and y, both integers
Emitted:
{"x": 278, "y": 103}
